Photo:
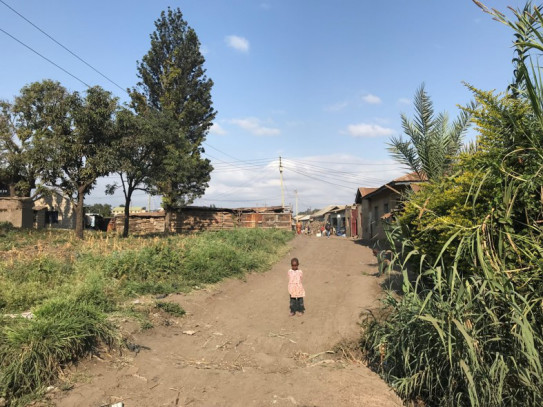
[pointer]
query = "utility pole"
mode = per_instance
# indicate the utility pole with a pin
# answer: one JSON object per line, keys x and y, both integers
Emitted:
{"x": 281, "y": 177}
{"x": 149, "y": 204}
{"x": 296, "y": 192}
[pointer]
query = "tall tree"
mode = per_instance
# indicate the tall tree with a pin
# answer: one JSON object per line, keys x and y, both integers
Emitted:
{"x": 432, "y": 142}
{"x": 173, "y": 82}
{"x": 137, "y": 152}
{"x": 77, "y": 150}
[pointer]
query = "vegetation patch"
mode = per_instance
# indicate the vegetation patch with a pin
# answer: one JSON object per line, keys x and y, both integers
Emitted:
{"x": 171, "y": 308}
{"x": 74, "y": 288}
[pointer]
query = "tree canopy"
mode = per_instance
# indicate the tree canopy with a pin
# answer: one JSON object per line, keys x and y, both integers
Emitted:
{"x": 76, "y": 148}
{"x": 173, "y": 84}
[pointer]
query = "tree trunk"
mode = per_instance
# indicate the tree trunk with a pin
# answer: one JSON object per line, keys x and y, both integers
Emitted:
{"x": 168, "y": 221}
{"x": 79, "y": 214}
{"x": 127, "y": 214}
{"x": 12, "y": 191}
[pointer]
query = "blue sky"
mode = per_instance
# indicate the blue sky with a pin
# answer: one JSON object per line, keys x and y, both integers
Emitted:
{"x": 320, "y": 83}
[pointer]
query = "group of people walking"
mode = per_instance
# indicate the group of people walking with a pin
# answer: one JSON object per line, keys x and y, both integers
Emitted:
{"x": 324, "y": 230}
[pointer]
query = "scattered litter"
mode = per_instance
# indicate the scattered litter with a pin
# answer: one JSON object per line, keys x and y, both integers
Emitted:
{"x": 49, "y": 389}
{"x": 189, "y": 332}
{"x": 140, "y": 377}
{"x": 323, "y": 362}
{"x": 274, "y": 335}
{"x": 223, "y": 345}
{"x": 119, "y": 404}
{"x": 320, "y": 353}
{"x": 218, "y": 333}
{"x": 135, "y": 347}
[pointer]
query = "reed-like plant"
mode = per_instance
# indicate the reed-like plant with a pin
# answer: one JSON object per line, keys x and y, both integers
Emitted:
{"x": 469, "y": 330}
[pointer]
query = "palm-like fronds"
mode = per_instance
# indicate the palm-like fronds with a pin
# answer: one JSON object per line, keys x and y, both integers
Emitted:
{"x": 431, "y": 141}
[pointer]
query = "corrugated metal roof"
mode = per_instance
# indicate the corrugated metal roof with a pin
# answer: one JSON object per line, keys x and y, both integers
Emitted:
{"x": 324, "y": 211}
{"x": 364, "y": 191}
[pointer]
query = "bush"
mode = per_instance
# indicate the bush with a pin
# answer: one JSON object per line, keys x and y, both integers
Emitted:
{"x": 473, "y": 342}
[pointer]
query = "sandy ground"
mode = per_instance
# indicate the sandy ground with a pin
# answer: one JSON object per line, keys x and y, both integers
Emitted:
{"x": 246, "y": 350}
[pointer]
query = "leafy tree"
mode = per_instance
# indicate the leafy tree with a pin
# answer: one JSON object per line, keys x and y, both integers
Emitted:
{"x": 432, "y": 142}
{"x": 173, "y": 83}
{"x": 12, "y": 150}
{"x": 77, "y": 150}
{"x": 101, "y": 209}
{"x": 21, "y": 124}
{"x": 137, "y": 152}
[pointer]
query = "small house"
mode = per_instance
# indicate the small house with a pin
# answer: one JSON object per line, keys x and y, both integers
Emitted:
{"x": 54, "y": 210}
{"x": 376, "y": 206}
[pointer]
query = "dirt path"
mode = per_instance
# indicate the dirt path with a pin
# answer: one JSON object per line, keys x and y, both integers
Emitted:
{"x": 246, "y": 349}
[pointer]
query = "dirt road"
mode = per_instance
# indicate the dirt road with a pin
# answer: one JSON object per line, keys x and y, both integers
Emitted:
{"x": 246, "y": 350}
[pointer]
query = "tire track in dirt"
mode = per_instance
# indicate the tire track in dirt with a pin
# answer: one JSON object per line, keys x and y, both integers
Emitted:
{"x": 246, "y": 350}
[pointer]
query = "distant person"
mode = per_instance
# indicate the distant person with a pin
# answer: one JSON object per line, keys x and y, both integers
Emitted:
{"x": 298, "y": 228}
{"x": 328, "y": 227}
{"x": 296, "y": 289}
{"x": 308, "y": 232}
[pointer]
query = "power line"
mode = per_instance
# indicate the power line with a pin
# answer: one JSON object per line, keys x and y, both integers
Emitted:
{"x": 238, "y": 187}
{"x": 328, "y": 169}
{"x": 343, "y": 163}
{"x": 319, "y": 179}
{"x": 47, "y": 59}
{"x": 58, "y": 43}
{"x": 349, "y": 179}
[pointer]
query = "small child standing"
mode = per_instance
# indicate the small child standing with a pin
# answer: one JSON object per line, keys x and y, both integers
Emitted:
{"x": 295, "y": 288}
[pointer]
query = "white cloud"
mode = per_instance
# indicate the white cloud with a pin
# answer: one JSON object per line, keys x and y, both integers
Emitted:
{"x": 336, "y": 107}
{"x": 371, "y": 99}
{"x": 369, "y": 130}
{"x": 240, "y": 184}
{"x": 253, "y": 126}
{"x": 238, "y": 43}
{"x": 404, "y": 101}
{"x": 217, "y": 129}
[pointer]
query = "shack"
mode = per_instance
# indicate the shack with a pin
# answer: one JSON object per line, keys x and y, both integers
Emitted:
{"x": 377, "y": 206}
{"x": 199, "y": 218}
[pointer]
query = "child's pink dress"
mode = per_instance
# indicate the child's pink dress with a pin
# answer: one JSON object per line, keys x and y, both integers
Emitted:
{"x": 295, "y": 287}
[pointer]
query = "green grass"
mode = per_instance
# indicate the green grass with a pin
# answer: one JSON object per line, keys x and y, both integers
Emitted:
{"x": 33, "y": 351}
{"x": 171, "y": 308}
{"x": 73, "y": 286}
